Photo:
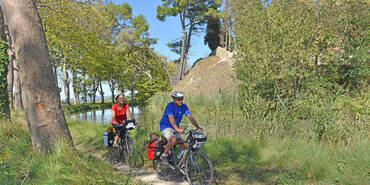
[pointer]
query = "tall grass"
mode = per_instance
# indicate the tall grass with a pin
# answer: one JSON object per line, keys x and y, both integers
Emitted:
{"x": 334, "y": 118}
{"x": 19, "y": 164}
{"x": 312, "y": 140}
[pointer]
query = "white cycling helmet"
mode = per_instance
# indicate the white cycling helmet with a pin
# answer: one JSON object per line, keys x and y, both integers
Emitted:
{"x": 177, "y": 94}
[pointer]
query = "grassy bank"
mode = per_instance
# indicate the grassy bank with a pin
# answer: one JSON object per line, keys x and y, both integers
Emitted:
{"x": 20, "y": 165}
{"x": 319, "y": 142}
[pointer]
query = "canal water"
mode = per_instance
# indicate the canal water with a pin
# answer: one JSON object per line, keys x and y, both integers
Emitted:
{"x": 102, "y": 116}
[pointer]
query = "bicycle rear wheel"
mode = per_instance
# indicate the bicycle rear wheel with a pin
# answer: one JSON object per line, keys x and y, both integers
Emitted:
{"x": 162, "y": 171}
{"x": 199, "y": 169}
{"x": 133, "y": 155}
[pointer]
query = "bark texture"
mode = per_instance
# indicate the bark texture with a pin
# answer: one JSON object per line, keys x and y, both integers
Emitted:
{"x": 18, "y": 104}
{"x": 44, "y": 114}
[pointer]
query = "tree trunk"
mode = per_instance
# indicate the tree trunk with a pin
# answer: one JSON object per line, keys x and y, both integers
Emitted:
{"x": 55, "y": 71}
{"x": 66, "y": 83}
{"x": 95, "y": 89}
{"x": 132, "y": 100}
{"x": 112, "y": 88}
{"x": 101, "y": 92}
{"x": 230, "y": 36}
{"x": 180, "y": 74}
{"x": 44, "y": 113}
{"x": 10, "y": 76}
{"x": 2, "y": 26}
{"x": 4, "y": 63}
{"x": 76, "y": 98}
{"x": 18, "y": 103}
{"x": 84, "y": 90}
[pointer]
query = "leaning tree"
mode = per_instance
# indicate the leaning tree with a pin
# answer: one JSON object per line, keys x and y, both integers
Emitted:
{"x": 44, "y": 114}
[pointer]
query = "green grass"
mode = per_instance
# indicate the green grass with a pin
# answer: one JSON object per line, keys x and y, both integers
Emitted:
{"x": 20, "y": 164}
{"x": 320, "y": 141}
{"x": 88, "y": 138}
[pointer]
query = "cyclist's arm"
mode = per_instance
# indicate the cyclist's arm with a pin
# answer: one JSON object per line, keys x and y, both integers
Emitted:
{"x": 131, "y": 115}
{"x": 114, "y": 117}
{"x": 193, "y": 121}
{"x": 173, "y": 123}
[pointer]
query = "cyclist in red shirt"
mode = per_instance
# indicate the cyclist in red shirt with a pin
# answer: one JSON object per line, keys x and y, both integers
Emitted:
{"x": 119, "y": 113}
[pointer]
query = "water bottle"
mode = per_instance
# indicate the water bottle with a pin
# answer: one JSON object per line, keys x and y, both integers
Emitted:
{"x": 180, "y": 155}
{"x": 105, "y": 138}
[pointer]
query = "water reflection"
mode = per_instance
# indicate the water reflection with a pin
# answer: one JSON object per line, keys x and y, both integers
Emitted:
{"x": 103, "y": 116}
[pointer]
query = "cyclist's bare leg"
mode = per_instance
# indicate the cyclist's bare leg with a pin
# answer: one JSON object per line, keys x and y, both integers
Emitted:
{"x": 182, "y": 147}
{"x": 115, "y": 142}
{"x": 172, "y": 142}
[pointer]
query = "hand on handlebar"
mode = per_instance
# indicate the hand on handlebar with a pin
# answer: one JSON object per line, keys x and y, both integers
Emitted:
{"x": 199, "y": 128}
{"x": 180, "y": 130}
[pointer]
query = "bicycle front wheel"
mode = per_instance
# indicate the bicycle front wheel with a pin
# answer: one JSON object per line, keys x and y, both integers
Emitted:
{"x": 132, "y": 154}
{"x": 115, "y": 155}
{"x": 199, "y": 169}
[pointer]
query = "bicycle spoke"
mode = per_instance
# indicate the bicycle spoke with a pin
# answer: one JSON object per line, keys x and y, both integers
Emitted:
{"x": 162, "y": 171}
{"x": 115, "y": 156}
{"x": 132, "y": 154}
{"x": 199, "y": 169}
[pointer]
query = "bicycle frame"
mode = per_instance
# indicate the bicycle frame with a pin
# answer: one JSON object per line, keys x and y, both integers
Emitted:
{"x": 193, "y": 158}
{"x": 176, "y": 165}
{"x": 124, "y": 143}
{"x": 187, "y": 152}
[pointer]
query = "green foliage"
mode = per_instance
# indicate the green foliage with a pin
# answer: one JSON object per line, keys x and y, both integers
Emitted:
{"x": 175, "y": 46}
{"x": 4, "y": 97}
{"x": 213, "y": 33}
{"x": 298, "y": 60}
{"x": 101, "y": 43}
{"x": 20, "y": 164}
{"x": 84, "y": 107}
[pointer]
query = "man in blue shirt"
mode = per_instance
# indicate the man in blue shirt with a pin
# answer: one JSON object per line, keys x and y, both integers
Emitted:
{"x": 170, "y": 123}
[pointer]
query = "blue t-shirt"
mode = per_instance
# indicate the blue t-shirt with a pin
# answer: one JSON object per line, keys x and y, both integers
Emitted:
{"x": 177, "y": 112}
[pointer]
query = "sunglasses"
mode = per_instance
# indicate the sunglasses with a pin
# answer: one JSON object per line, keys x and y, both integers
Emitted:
{"x": 179, "y": 99}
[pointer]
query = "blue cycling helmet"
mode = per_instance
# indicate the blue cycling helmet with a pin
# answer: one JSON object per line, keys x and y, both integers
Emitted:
{"x": 177, "y": 94}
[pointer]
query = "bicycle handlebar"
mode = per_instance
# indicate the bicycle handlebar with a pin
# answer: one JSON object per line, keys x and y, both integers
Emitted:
{"x": 190, "y": 131}
{"x": 125, "y": 122}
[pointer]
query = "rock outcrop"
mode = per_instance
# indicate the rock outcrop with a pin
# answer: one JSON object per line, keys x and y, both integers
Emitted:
{"x": 211, "y": 75}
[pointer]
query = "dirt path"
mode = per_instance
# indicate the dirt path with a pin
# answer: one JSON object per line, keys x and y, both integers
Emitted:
{"x": 146, "y": 175}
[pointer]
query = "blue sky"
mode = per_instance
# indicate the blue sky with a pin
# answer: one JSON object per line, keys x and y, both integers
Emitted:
{"x": 166, "y": 31}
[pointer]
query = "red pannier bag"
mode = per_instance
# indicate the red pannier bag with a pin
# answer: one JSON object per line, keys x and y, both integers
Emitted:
{"x": 151, "y": 146}
{"x": 150, "y": 150}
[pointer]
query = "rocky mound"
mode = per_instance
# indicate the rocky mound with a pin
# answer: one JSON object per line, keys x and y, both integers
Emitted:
{"x": 211, "y": 75}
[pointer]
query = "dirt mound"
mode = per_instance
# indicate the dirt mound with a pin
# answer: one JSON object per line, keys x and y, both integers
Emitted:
{"x": 211, "y": 75}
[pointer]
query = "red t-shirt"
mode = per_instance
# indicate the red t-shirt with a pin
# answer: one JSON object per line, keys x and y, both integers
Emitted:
{"x": 120, "y": 114}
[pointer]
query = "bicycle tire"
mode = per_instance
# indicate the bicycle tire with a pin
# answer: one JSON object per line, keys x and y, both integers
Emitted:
{"x": 199, "y": 169}
{"x": 115, "y": 155}
{"x": 161, "y": 171}
{"x": 132, "y": 154}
